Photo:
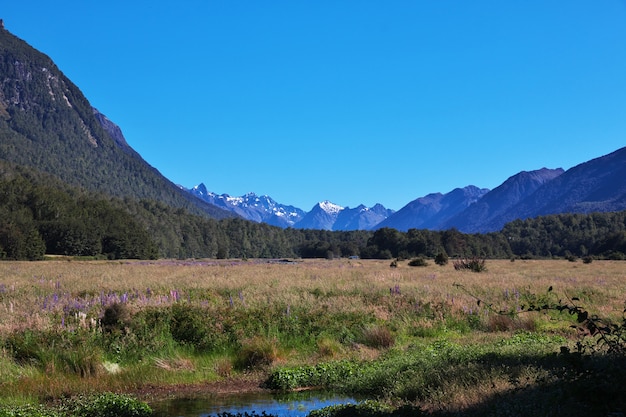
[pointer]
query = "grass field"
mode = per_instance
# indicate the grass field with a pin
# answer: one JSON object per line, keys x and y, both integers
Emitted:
{"x": 413, "y": 335}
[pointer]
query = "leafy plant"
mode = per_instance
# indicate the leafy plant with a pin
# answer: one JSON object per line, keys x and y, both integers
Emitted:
{"x": 419, "y": 261}
{"x": 325, "y": 374}
{"x": 378, "y": 337}
{"x": 107, "y": 405}
{"x": 255, "y": 353}
{"x": 474, "y": 264}
{"x": 441, "y": 259}
{"x": 30, "y": 410}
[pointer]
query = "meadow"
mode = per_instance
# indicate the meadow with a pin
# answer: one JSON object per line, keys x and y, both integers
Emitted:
{"x": 440, "y": 340}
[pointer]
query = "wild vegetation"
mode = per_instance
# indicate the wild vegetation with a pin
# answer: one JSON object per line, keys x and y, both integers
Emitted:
{"x": 41, "y": 215}
{"x": 406, "y": 337}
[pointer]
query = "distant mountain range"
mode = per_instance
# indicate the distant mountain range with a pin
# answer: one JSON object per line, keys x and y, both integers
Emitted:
{"x": 324, "y": 215}
{"x": 252, "y": 207}
{"x": 46, "y": 123}
{"x": 598, "y": 185}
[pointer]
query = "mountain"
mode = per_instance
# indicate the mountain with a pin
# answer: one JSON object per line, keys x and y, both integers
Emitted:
{"x": 46, "y": 123}
{"x": 329, "y": 216}
{"x": 433, "y": 210}
{"x": 598, "y": 185}
{"x": 478, "y": 217}
{"x": 252, "y": 207}
{"x": 361, "y": 217}
{"x": 322, "y": 216}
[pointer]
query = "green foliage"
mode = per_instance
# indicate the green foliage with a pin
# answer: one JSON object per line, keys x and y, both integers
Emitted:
{"x": 258, "y": 352}
{"x": 46, "y": 123}
{"x": 31, "y": 410}
{"x": 41, "y": 215}
{"x": 441, "y": 259}
{"x": 73, "y": 353}
{"x": 328, "y": 375}
{"x": 474, "y": 264}
{"x": 116, "y": 318}
{"x": 107, "y": 405}
{"x": 419, "y": 261}
{"x": 378, "y": 337}
{"x": 369, "y": 408}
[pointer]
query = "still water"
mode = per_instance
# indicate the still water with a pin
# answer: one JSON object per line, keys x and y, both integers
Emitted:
{"x": 284, "y": 405}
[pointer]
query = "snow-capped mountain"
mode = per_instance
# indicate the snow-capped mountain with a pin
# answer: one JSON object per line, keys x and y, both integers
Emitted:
{"x": 328, "y": 216}
{"x": 260, "y": 209}
{"x": 324, "y": 215}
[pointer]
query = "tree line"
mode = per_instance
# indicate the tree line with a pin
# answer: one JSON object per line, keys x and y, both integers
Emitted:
{"x": 41, "y": 215}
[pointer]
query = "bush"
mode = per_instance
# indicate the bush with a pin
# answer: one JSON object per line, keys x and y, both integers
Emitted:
{"x": 367, "y": 408}
{"x": 418, "y": 262}
{"x": 256, "y": 353}
{"x": 325, "y": 374}
{"x": 474, "y": 264}
{"x": 441, "y": 259}
{"x": 378, "y": 337}
{"x": 503, "y": 322}
{"x": 28, "y": 411}
{"x": 189, "y": 326}
{"x": 116, "y": 318}
{"x": 107, "y": 405}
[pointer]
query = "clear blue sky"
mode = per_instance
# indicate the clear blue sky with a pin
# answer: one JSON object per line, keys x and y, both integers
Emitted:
{"x": 349, "y": 101}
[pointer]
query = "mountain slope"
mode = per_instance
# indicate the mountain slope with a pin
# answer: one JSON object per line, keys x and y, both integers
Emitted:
{"x": 322, "y": 216}
{"x": 434, "y": 210}
{"x": 252, "y": 207}
{"x": 46, "y": 123}
{"x": 361, "y": 217}
{"x": 598, "y": 185}
{"x": 477, "y": 218}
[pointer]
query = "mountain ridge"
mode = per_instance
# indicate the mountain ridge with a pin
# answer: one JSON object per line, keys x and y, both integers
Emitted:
{"x": 48, "y": 124}
{"x": 596, "y": 185}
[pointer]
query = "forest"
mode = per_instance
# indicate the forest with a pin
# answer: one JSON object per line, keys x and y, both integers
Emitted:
{"x": 43, "y": 216}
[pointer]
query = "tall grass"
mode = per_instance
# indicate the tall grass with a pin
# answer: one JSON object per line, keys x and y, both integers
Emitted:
{"x": 81, "y": 327}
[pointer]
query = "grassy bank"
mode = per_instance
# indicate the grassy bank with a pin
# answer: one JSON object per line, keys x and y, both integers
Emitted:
{"x": 405, "y": 335}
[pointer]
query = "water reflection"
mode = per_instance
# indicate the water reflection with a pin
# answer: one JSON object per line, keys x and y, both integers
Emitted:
{"x": 284, "y": 405}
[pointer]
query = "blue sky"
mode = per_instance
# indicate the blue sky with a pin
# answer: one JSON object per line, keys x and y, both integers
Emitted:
{"x": 348, "y": 101}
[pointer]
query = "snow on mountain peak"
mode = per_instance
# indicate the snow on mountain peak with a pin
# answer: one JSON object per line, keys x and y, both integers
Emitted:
{"x": 329, "y": 207}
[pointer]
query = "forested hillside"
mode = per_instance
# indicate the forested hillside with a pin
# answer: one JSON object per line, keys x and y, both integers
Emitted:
{"x": 41, "y": 215}
{"x": 48, "y": 124}
{"x": 71, "y": 185}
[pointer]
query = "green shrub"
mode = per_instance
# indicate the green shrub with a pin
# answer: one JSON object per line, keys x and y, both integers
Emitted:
{"x": 441, "y": 259}
{"x": 116, "y": 318}
{"x": 364, "y": 409}
{"x": 418, "y": 262}
{"x": 474, "y": 264}
{"x": 368, "y": 408}
{"x": 327, "y": 375}
{"x": 256, "y": 353}
{"x": 189, "y": 326}
{"x": 107, "y": 405}
{"x": 29, "y": 411}
{"x": 378, "y": 337}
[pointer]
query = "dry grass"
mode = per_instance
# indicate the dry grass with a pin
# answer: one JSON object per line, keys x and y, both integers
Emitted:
{"x": 33, "y": 293}
{"x": 404, "y": 303}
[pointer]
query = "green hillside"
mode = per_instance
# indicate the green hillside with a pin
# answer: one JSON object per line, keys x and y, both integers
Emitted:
{"x": 48, "y": 124}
